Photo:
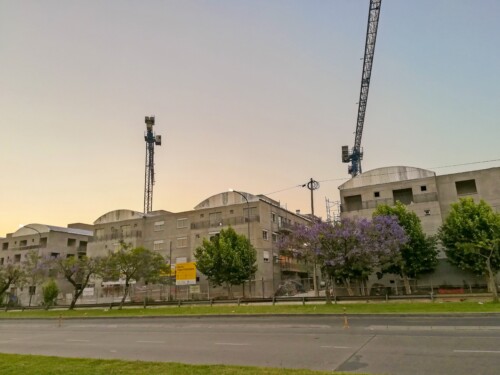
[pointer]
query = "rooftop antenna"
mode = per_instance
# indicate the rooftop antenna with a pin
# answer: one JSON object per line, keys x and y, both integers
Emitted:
{"x": 149, "y": 176}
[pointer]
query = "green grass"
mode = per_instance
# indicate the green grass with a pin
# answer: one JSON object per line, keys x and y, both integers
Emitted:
{"x": 14, "y": 364}
{"x": 351, "y": 308}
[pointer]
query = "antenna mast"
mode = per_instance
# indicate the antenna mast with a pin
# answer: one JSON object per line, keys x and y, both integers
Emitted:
{"x": 149, "y": 176}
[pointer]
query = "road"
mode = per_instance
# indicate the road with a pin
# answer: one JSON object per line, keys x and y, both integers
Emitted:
{"x": 379, "y": 345}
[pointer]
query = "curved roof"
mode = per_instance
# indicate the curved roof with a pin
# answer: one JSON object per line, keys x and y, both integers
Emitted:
{"x": 386, "y": 175}
{"x": 118, "y": 215}
{"x": 225, "y": 199}
{"x": 42, "y": 228}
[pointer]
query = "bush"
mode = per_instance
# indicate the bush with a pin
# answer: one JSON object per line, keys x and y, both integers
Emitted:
{"x": 50, "y": 291}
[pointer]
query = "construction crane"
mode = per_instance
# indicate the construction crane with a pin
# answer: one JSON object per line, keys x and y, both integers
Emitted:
{"x": 149, "y": 176}
{"x": 356, "y": 154}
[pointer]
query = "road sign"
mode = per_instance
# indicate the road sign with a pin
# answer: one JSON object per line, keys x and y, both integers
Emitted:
{"x": 185, "y": 273}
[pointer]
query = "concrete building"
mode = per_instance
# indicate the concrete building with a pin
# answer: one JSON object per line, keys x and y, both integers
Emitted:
{"x": 426, "y": 194}
{"x": 177, "y": 235}
{"x": 47, "y": 241}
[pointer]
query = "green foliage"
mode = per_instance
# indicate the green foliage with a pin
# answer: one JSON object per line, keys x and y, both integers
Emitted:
{"x": 419, "y": 254}
{"x": 11, "y": 274}
{"x": 470, "y": 235}
{"x": 77, "y": 271}
{"x": 136, "y": 263}
{"x": 227, "y": 258}
{"x": 50, "y": 291}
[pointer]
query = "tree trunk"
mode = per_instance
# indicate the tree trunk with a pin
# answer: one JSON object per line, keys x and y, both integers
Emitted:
{"x": 406, "y": 283}
{"x": 347, "y": 284}
{"x": 76, "y": 295}
{"x": 491, "y": 281}
{"x": 125, "y": 294}
{"x": 315, "y": 281}
{"x": 229, "y": 291}
{"x": 327, "y": 291}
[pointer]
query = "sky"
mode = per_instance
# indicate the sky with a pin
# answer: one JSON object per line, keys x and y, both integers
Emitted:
{"x": 254, "y": 95}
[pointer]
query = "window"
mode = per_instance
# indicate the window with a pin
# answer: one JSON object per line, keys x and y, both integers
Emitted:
{"x": 353, "y": 203}
{"x": 99, "y": 233}
{"x": 182, "y": 242}
{"x": 17, "y": 258}
{"x": 253, "y": 212}
{"x": 466, "y": 187}
{"x": 159, "y": 226}
{"x": 213, "y": 235}
{"x": 280, "y": 221}
{"x": 275, "y": 237}
{"x": 376, "y": 194}
{"x": 125, "y": 230}
{"x": 405, "y": 196}
{"x": 1, "y": 261}
{"x": 182, "y": 223}
{"x": 265, "y": 255}
{"x": 264, "y": 235}
{"x": 158, "y": 245}
{"x": 215, "y": 219}
{"x": 23, "y": 243}
{"x": 5, "y": 246}
{"x": 231, "y": 211}
{"x": 71, "y": 242}
{"x": 423, "y": 188}
{"x": 273, "y": 217}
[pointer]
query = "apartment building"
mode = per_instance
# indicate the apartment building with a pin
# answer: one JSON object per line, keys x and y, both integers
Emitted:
{"x": 426, "y": 194}
{"x": 47, "y": 241}
{"x": 177, "y": 235}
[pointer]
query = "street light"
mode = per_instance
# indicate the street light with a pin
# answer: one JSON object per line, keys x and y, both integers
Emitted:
{"x": 32, "y": 287}
{"x": 248, "y": 231}
{"x": 248, "y": 210}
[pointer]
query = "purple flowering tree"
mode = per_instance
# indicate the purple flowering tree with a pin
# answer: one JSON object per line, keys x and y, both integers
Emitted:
{"x": 348, "y": 250}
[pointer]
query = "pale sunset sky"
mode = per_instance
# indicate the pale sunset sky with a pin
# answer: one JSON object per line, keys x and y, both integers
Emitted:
{"x": 255, "y": 95}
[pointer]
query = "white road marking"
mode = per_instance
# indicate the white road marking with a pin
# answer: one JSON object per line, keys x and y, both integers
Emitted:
{"x": 336, "y": 347}
{"x": 231, "y": 343}
{"x": 477, "y": 351}
{"x": 70, "y": 340}
{"x": 150, "y": 342}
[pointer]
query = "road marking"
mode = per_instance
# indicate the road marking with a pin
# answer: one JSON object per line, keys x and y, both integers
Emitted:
{"x": 70, "y": 340}
{"x": 336, "y": 347}
{"x": 477, "y": 351}
{"x": 231, "y": 343}
{"x": 150, "y": 342}
{"x": 113, "y": 351}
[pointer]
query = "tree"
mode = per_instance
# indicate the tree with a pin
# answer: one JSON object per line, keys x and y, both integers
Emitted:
{"x": 226, "y": 259}
{"x": 348, "y": 250}
{"x": 304, "y": 242}
{"x": 77, "y": 271}
{"x": 36, "y": 272}
{"x": 419, "y": 254}
{"x": 50, "y": 292}
{"x": 11, "y": 274}
{"x": 471, "y": 237}
{"x": 134, "y": 264}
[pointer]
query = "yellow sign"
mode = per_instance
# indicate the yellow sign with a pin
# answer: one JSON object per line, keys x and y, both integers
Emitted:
{"x": 185, "y": 273}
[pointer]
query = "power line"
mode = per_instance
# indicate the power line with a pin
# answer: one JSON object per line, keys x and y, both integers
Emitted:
{"x": 385, "y": 174}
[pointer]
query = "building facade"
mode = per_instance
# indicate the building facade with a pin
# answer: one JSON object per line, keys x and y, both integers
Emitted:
{"x": 426, "y": 194}
{"x": 49, "y": 242}
{"x": 176, "y": 235}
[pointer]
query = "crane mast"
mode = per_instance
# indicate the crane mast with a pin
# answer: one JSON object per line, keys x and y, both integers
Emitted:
{"x": 356, "y": 154}
{"x": 149, "y": 175}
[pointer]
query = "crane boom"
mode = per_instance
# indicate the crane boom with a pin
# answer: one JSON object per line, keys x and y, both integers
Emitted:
{"x": 356, "y": 155}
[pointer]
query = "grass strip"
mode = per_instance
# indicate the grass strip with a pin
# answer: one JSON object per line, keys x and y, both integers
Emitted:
{"x": 14, "y": 364}
{"x": 351, "y": 308}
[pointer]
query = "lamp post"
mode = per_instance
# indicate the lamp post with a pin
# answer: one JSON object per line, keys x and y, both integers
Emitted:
{"x": 248, "y": 234}
{"x": 248, "y": 210}
{"x": 32, "y": 287}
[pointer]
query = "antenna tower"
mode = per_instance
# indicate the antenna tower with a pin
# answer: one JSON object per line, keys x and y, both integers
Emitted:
{"x": 149, "y": 176}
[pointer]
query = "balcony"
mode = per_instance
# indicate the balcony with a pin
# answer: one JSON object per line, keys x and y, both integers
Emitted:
{"x": 117, "y": 236}
{"x": 238, "y": 220}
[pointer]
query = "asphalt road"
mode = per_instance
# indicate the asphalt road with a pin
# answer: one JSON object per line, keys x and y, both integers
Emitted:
{"x": 379, "y": 345}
